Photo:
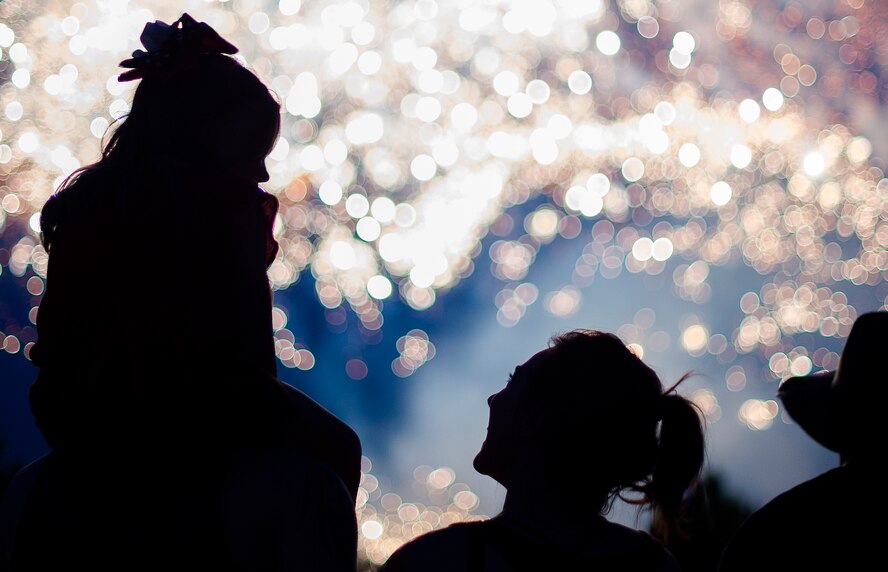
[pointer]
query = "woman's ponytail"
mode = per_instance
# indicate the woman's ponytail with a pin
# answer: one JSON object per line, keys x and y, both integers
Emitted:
{"x": 647, "y": 443}
{"x": 679, "y": 459}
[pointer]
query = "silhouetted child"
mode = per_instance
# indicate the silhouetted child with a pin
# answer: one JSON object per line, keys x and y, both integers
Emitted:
{"x": 835, "y": 521}
{"x": 577, "y": 425}
{"x": 174, "y": 445}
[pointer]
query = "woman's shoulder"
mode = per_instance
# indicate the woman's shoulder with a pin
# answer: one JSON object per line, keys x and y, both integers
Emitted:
{"x": 444, "y": 549}
{"x": 503, "y": 548}
{"x": 615, "y": 532}
{"x": 617, "y": 540}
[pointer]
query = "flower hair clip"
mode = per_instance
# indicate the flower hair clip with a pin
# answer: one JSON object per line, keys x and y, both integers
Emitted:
{"x": 173, "y": 48}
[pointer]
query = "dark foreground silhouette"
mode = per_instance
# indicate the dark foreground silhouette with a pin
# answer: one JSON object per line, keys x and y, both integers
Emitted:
{"x": 714, "y": 514}
{"x": 173, "y": 442}
{"x": 835, "y": 521}
{"x": 576, "y": 425}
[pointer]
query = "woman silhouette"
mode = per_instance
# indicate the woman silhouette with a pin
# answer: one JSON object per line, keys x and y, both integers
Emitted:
{"x": 156, "y": 388}
{"x": 577, "y": 425}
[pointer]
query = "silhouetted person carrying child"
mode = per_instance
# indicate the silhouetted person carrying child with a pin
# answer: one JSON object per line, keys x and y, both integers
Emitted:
{"x": 835, "y": 521}
{"x": 174, "y": 445}
{"x": 577, "y": 425}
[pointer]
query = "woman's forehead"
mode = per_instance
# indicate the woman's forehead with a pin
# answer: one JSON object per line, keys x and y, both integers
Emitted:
{"x": 535, "y": 362}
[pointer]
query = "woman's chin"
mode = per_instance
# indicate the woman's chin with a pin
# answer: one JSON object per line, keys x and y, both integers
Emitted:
{"x": 482, "y": 462}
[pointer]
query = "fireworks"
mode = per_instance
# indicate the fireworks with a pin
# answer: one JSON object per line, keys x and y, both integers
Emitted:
{"x": 386, "y": 521}
{"x": 410, "y": 128}
{"x": 671, "y": 136}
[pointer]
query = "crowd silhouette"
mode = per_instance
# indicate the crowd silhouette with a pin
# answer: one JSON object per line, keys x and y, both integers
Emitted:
{"x": 174, "y": 446}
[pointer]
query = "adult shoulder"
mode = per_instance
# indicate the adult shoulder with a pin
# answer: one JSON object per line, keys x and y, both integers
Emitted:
{"x": 325, "y": 437}
{"x": 635, "y": 548}
{"x": 287, "y": 511}
{"x": 798, "y": 520}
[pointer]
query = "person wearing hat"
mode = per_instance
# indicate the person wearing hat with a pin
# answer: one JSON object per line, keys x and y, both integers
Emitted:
{"x": 836, "y": 520}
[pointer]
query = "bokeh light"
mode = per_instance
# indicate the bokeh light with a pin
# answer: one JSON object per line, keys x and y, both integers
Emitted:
{"x": 425, "y": 141}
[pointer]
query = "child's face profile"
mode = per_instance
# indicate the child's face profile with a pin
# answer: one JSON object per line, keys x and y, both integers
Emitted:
{"x": 251, "y": 169}
{"x": 243, "y": 141}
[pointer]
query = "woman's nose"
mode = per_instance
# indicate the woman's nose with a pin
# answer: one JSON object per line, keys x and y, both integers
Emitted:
{"x": 490, "y": 399}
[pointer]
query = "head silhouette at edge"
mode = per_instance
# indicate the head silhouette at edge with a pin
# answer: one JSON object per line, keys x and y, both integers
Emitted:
{"x": 593, "y": 417}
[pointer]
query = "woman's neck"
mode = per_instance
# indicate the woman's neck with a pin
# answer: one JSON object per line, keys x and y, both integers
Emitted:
{"x": 533, "y": 502}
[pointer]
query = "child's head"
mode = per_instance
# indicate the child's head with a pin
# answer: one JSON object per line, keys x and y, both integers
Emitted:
{"x": 197, "y": 106}
{"x": 178, "y": 176}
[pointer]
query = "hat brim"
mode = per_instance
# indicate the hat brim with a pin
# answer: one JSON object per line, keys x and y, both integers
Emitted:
{"x": 810, "y": 401}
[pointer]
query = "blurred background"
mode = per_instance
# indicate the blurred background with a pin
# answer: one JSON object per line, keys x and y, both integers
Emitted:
{"x": 460, "y": 180}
